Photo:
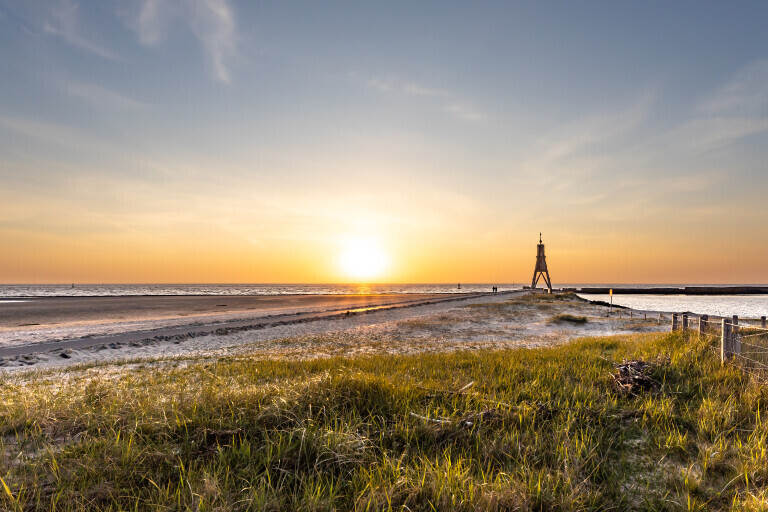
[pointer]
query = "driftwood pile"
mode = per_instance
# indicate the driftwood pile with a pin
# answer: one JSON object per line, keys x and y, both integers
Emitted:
{"x": 632, "y": 377}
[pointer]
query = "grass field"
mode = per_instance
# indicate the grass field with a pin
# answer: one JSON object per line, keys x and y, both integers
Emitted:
{"x": 540, "y": 429}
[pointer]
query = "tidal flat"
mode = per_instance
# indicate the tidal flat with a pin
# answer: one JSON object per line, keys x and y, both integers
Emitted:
{"x": 297, "y": 328}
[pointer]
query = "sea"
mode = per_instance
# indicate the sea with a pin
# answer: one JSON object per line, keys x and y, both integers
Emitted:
{"x": 110, "y": 290}
{"x": 748, "y": 306}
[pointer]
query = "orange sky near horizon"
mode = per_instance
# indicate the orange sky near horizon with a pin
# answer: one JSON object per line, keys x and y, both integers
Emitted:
{"x": 211, "y": 257}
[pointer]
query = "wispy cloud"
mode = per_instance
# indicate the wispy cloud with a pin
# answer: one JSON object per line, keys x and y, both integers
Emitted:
{"x": 617, "y": 139}
{"x": 100, "y": 97}
{"x": 151, "y": 22}
{"x": 734, "y": 111}
{"x": 465, "y": 111}
{"x": 709, "y": 134}
{"x": 211, "y": 21}
{"x": 451, "y": 103}
{"x": 59, "y": 135}
{"x": 63, "y": 21}
{"x": 744, "y": 95}
{"x": 213, "y": 24}
{"x": 567, "y": 155}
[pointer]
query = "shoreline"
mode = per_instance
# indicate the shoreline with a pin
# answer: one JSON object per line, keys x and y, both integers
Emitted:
{"x": 41, "y": 312}
{"x": 433, "y": 324}
{"x": 97, "y": 329}
{"x": 221, "y": 324}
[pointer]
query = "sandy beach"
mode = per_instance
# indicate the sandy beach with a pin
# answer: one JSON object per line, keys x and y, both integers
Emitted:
{"x": 25, "y": 314}
{"x": 60, "y": 332}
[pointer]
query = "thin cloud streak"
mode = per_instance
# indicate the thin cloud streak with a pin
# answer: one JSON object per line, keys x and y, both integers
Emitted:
{"x": 101, "y": 97}
{"x": 744, "y": 95}
{"x": 710, "y": 134}
{"x": 452, "y": 105}
{"x": 62, "y": 136}
{"x": 63, "y": 21}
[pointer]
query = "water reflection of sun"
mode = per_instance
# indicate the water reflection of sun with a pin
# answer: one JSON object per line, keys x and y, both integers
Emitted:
{"x": 362, "y": 258}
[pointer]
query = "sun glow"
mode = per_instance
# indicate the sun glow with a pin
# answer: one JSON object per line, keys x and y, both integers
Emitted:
{"x": 362, "y": 258}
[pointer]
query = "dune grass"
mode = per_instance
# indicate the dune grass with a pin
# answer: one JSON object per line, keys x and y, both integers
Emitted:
{"x": 539, "y": 430}
{"x": 567, "y": 317}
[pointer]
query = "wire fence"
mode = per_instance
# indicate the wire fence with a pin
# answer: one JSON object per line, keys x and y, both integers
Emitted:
{"x": 741, "y": 342}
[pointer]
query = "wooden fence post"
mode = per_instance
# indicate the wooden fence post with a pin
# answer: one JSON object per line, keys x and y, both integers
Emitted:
{"x": 674, "y": 322}
{"x": 735, "y": 338}
{"x": 702, "y": 324}
{"x": 762, "y": 322}
{"x": 685, "y": 322}
{"x": 725, "y": 339}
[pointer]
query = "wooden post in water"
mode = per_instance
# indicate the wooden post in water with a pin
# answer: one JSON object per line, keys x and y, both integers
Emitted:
{"x": 659, "y": 318}
{"x": 762, "y": 322}
{"x": 674, "y": 322}
{"x": 685, "y": 322}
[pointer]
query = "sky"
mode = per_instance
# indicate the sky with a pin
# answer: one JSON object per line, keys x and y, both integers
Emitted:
{"x": 223, "y": 141}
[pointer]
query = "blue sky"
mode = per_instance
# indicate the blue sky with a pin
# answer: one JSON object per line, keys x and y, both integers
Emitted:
{"x": 248, "y": 140}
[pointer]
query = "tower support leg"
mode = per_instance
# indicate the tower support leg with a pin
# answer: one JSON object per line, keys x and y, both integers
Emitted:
{"x": 541, "y": 274}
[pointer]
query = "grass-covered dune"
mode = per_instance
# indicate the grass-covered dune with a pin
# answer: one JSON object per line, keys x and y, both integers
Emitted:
{"x": 540, "y": 429}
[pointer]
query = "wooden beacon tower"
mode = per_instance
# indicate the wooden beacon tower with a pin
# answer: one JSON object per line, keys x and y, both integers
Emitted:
{"x": 541, "y": 267}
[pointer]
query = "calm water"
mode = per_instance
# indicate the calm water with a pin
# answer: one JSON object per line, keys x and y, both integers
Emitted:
{"x": 721, "y": 305}
{"x": 106, "y": 290}
{"x": 747, "y": 306}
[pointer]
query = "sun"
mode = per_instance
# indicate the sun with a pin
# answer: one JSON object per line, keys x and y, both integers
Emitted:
{"x": 362, "y": 258}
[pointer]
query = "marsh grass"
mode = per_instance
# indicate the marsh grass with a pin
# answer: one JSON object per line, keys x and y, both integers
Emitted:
{"x": 539, "y": 430}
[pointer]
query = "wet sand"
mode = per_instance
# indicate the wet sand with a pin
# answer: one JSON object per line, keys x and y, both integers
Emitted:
{"x": 49, "y": 311}
{"x": 41, "y": 324}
